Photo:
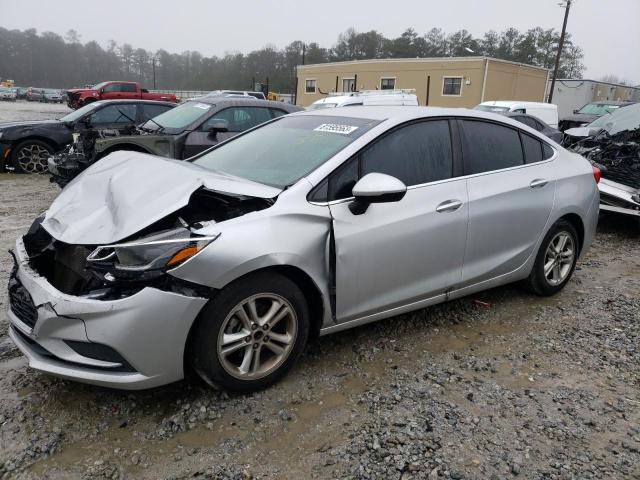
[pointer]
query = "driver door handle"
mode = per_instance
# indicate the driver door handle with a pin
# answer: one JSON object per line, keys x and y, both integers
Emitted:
{"x": 538, "y": 183}
{"x": 449, "y": 206}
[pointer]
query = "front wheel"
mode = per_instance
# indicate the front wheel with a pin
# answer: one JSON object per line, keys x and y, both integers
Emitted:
{"x": 251, "y": 334}
{"x": 556, "y": 260}
{"x": 32, "y": 156}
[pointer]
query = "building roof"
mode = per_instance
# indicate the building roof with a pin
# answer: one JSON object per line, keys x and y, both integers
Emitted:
{"x": 418, "y": 60}
{"x": 596, "y": 81}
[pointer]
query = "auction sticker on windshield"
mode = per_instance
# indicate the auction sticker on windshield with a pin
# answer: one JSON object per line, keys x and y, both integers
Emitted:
{"x": 335, "y": 128}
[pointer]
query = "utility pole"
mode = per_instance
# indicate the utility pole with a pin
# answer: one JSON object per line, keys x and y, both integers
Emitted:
{"x": 560, "y": 45}
{"x": 154, "y": 72}
{"x": 304, "y": 48}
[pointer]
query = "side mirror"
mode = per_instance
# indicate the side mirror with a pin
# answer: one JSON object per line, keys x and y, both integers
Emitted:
{"x": 376, "y": 188}
{"x": 218, "y": 126}
{"x": 576, "y": 110}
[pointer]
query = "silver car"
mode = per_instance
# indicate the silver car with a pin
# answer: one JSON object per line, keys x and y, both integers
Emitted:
{"x": 309, "y": 224}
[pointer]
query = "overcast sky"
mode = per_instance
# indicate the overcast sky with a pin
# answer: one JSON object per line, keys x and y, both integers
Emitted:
{"x": 607, "y": 30}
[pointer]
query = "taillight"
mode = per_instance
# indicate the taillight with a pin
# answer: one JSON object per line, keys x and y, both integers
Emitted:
{"x": 596, "y": 174}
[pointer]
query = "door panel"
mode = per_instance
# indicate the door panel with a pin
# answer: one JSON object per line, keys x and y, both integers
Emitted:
{"x": 507, "y": 213}
{"x": 198, "y": 141}
{"x": 398, "y": 253}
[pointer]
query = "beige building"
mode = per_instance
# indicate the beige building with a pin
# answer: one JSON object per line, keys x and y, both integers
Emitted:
{"x": 441, "y": 82}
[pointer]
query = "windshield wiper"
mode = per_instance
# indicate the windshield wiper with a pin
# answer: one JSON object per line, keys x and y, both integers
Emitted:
{"x": 159, "y": 130}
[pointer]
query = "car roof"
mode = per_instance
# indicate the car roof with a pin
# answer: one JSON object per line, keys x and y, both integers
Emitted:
{"x": 510, "y": 103}
{"x": 241, "y": 100}
{"x": 133, "y": 100}
{"x": 405, "y": 113}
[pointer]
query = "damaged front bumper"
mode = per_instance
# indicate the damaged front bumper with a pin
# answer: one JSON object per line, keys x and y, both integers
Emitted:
{"x": 619, "y": 198}
{"x": 132, "y": 343}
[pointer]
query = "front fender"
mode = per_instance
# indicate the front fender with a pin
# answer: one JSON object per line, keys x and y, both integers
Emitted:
{"x": 258, "y": 240}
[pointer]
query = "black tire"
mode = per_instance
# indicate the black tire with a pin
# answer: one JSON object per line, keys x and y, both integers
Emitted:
{"x": 538, "y": 282}
{"x": 31, "y": 167}
{"x": 203, "y": 344}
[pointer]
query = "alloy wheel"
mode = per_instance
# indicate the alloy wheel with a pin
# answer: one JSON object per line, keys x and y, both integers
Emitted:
{"x": 558, "y": 259}
{"x": 32, "y": 158}
{"x": 257, "y": 336}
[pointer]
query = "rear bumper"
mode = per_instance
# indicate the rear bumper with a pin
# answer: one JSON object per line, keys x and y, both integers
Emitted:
{"x": 147, "y": 330}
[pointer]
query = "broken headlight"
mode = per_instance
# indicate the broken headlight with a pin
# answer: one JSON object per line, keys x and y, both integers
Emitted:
{"x": 148, "y": 257}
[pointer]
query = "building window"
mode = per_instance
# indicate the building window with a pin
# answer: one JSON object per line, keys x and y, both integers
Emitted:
{"x": 451, "y": 86}
{"x": 348, "y": 84}
{"x": 310, "y": 86}
{"x": 387, "y": 83}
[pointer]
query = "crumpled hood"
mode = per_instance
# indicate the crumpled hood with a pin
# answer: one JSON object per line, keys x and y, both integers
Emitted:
{"x": 580, "y": 117}
{"x": 579, "y": 131}
{"x": 128, "y": 191}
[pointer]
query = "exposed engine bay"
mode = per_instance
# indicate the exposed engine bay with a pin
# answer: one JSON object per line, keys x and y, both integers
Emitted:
{"x": 108, "y": 272}
{"x": 76, "y": 157}
{"x": 614, "y": 147}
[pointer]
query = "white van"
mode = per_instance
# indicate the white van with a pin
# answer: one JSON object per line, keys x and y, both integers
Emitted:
{"x": 367, "y": 97}
{"x": 547, "y": 112}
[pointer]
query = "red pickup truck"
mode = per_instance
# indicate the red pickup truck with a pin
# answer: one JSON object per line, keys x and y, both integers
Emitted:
{"x": 79, "y": 97}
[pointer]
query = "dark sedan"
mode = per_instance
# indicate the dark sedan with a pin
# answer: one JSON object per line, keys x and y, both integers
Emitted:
{"x": 589, "y": 113}
{"x": 536, "y": 124}
{"x": 25, "y": 146}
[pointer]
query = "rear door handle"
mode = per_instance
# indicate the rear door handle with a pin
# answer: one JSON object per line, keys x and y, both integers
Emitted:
{"x": 538, "y": 183}
{"x": 449, "y": 206}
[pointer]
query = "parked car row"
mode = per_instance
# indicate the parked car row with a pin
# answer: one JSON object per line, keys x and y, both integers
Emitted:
{"x": 50, "y": 95}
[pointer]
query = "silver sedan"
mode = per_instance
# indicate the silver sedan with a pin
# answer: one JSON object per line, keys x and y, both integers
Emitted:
{"x": 306, "y": 225}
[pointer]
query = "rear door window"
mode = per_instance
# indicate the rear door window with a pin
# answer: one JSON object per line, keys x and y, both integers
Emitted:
{"x": 128, "y": 87}
{"x": 488, "y": 146}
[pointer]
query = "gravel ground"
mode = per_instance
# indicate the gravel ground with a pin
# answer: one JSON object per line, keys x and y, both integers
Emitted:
{"x": 495, "y": 386}
{"x": 23, "y": 110}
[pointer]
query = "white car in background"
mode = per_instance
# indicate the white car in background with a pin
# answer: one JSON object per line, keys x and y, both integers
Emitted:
{"x": 367, "y": 97}
{"x": 547, "y": 112}
{"x": 8, "y": 94}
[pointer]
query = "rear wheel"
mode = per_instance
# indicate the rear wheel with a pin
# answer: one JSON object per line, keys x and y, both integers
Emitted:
{"x": 251, "y": 334}
{"x": 31, "y": 156}
{"x": 556, "y": 260}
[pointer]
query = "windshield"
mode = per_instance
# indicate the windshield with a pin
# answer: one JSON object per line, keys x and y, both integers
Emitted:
{"x": 81, "y": 112}
{"x": 491, "y": 108}
{"x": 177, "y": 119}
{"x": 282, "y": 152}
{"x": 320, "y": 106}
{"x": 98, "y": 86}
{"x": 598, "y": 109}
